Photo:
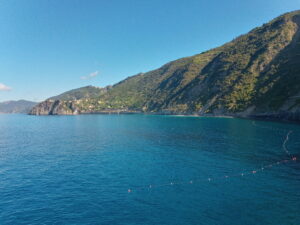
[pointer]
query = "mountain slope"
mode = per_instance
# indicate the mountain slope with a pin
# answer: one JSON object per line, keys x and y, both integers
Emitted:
{"x": 21, "y": 106}
{"x": 79, "y": 93}
{"x": 257, "y": 74}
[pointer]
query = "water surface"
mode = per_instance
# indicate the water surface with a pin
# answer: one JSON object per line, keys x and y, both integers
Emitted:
{"x": 78, "y": 169}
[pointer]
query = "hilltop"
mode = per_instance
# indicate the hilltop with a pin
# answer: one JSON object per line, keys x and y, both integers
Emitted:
{"x": 255, "y": 75}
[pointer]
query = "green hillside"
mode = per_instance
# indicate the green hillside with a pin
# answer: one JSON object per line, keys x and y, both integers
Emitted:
{"x": 79, "y": 93}
{"x": 257, "y": 73}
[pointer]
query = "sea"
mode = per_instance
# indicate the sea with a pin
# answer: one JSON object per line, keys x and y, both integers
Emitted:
{"x": 148, "y": 169}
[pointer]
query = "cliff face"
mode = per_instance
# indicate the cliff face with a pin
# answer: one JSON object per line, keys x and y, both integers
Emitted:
{"x": 257, "y": 74}
{"x": 55, "y": 107}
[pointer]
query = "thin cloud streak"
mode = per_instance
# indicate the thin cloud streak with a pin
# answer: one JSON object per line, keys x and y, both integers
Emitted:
{"x": 90, "y": 76}
{"x": 3, "y": 87}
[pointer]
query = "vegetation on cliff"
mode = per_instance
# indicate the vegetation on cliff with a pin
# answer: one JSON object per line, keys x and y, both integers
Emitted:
{"x": 258, "y": 72}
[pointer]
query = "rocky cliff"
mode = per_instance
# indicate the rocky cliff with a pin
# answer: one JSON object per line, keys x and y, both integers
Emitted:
{"x": 255, "y": 75}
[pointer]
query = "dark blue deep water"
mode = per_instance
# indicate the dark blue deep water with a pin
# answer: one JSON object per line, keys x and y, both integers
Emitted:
{"x": 78, "y": 169}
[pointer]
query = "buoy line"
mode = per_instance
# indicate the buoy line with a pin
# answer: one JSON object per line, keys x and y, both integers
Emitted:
{"x": 285, "y": 141}
{"x": 242, "y": 174}
{"x": 211, "y": 179}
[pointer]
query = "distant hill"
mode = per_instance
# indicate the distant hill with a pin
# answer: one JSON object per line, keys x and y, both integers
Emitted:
{"x": 255, "y": 75}
{"x": 21, "y": 106}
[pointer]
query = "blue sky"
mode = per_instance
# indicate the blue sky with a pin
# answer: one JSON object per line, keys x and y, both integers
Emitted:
{"x": 48, "y": 47}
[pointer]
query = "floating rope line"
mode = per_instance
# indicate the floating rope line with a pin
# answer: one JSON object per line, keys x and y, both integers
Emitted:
{"x": 242, "y": 174}
{"x": 285, "y": 141}
{"x": 278, "y": 129}
{"x": 210, "y": 179}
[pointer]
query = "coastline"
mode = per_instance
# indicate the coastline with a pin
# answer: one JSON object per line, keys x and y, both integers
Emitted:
{"x": 275, "y": 117}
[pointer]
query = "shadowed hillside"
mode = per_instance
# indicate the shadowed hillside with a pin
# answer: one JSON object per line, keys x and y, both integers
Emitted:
{"x": 21, "y": 106}
{"x": 257, "y": 74}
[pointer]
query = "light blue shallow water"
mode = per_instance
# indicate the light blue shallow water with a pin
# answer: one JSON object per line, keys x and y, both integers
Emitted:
{"x": 77, "y": 170}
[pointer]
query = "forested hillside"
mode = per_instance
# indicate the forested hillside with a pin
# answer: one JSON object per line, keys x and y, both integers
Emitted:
{"x": 256, "y": 74}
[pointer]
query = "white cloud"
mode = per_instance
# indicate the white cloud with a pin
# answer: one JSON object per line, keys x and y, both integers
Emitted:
{"x": 3, "y": 87}
{"x": 90, "y": 76}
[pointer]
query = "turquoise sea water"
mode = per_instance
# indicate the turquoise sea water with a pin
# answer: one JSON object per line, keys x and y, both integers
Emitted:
{"x": 78, "y": 169}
